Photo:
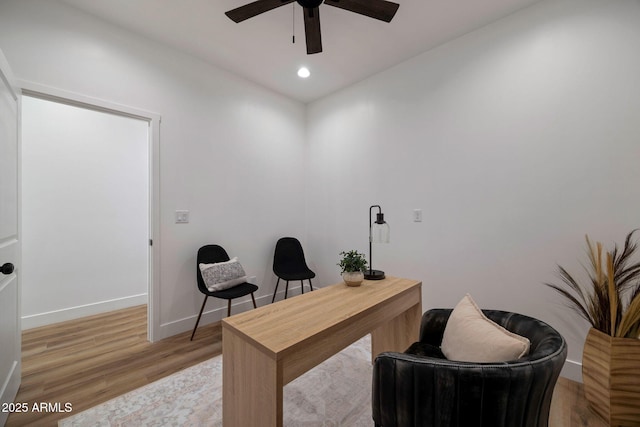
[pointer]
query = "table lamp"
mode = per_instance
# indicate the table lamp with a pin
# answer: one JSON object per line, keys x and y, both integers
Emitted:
{"x": 378, "y": 233}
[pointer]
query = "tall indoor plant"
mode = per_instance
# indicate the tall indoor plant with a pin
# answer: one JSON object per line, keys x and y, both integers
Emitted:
{"x": 610, "y": 302}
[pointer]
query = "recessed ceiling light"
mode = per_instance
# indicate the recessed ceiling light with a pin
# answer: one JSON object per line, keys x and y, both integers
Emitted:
{"x": 304, "y": 72}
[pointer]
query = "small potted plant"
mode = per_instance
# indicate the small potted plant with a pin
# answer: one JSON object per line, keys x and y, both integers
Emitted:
{"x": 353, "y": 265}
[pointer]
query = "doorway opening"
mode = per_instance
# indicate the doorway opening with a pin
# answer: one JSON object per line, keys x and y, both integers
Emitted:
{"x": 89, "y": 207}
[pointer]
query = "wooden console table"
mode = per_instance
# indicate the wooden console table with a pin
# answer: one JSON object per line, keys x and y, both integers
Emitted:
{"x": 266, "y": 348}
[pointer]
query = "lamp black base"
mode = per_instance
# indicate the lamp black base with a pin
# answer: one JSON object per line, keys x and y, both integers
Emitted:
{"x": 374, "y": 274}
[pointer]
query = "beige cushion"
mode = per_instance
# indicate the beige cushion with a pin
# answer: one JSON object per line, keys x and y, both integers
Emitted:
{"x": 471, "y": 337}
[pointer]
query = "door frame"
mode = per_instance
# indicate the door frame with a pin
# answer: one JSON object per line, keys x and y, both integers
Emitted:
{"x": 35, "y": 90}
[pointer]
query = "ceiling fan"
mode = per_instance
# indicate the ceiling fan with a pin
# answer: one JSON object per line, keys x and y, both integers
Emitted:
{"x": 377, "y": 9}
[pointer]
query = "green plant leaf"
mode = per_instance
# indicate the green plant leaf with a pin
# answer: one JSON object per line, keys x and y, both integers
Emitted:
{"x": 352, "y": 261}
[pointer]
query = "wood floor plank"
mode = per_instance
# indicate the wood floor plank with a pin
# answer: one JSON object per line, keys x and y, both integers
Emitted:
{"x": 569, "y": 407}
{"x": 89, "y": 361}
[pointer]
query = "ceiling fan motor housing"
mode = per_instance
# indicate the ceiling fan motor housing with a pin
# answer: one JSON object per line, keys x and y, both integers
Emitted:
{"x": 310, "y": 3}
{"x": 383, "y": 10}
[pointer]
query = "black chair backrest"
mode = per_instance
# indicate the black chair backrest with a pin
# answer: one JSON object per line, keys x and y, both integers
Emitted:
{"x": 289, "y": 257}
{"x": 433, "y": 391}
{"x": 209, "y": 254}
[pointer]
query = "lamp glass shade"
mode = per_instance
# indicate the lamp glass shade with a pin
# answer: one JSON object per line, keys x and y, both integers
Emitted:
{"x": 380, "y": 233}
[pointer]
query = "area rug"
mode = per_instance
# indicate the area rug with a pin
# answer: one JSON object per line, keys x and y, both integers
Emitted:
{"x": 335, "y": 393}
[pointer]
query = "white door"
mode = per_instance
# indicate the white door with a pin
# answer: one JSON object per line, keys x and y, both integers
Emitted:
{"x": 10, "y": 335}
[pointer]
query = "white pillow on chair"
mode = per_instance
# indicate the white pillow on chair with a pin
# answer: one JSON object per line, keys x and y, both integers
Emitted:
{"x": 222, "y": 275}
{"x": 472, "y": 337}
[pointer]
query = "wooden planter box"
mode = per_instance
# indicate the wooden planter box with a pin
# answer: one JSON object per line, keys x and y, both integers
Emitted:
{"x": 611, "y": 376}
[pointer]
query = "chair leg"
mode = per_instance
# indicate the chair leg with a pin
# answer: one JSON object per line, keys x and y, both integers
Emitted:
{"x": 276, "y": 291}
{"x": 310, "y": 284}
{"x": 286, "y": 290}
{"x": 229, "y": 308}
{"x": 199, "y": 315}
{"x": 302, "y": 286}
{"x": 254, "y": 300}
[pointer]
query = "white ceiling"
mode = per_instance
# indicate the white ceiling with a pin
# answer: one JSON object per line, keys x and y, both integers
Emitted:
{"x": 261, "y": 49}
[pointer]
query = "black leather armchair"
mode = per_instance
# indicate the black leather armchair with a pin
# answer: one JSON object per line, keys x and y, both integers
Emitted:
{"x": 422, "y": 388}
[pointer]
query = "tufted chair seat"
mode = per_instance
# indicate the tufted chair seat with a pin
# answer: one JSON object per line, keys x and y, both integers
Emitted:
{"x": 422, "y": 388}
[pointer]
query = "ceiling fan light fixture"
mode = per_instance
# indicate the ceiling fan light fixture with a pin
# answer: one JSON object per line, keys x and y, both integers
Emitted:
{"x": 303, "y": 72}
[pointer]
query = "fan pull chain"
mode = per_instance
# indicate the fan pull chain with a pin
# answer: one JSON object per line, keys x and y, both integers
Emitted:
{"x": 293, "y": 19}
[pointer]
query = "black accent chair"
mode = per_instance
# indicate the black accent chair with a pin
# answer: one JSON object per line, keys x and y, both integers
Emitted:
{"x": 289, "y": 264}
{"x": 422, "y": 388}
{"x": 210, "y": 254}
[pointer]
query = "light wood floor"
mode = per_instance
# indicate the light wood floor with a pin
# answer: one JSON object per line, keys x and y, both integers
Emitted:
{"x": 89, "y": 361}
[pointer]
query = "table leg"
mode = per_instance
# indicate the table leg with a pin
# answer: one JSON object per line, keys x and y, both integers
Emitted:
{"x": 397, "y": 334}
{"x": 251, "y": 385}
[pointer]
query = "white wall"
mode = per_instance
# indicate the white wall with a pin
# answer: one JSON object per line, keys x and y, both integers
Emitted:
{"x": 85, "y": 212}
{"x": 515, "y": 140}
{"x": 227, "y": 150}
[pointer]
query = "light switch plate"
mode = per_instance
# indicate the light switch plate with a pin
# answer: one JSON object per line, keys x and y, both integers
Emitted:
{"x": 417, "y": 215}
{"x": 182, "y": 217}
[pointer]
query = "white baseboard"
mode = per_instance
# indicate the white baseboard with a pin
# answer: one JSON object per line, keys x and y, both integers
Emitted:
{"x": 175, "y": 327}
{"x": 572, "y": 370}
{"x": 210, "y": 316}
{"x": 43, "y": 319}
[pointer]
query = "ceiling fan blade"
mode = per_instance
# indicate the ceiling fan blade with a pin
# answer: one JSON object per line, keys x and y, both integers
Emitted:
{"x": 312, "y": 30}
{"x": 256, "y": 8}
{"x": 377, "y": 9}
